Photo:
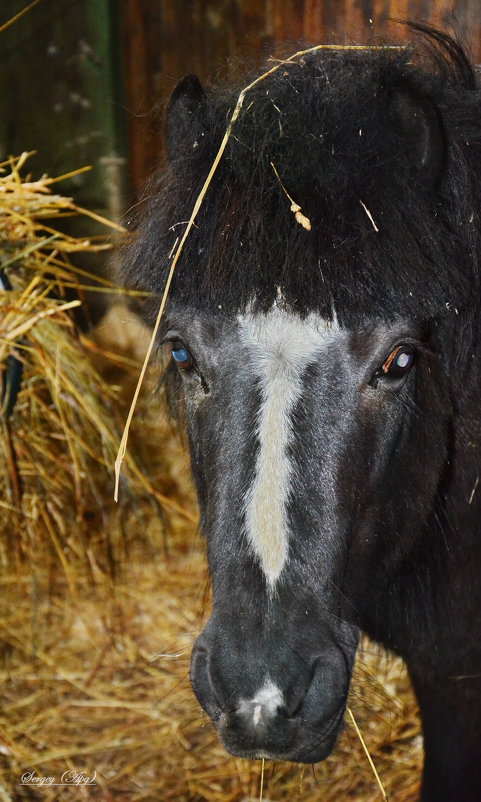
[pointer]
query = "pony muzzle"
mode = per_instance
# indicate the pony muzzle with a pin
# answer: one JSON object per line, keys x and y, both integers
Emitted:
{"x": 299, "y": 725}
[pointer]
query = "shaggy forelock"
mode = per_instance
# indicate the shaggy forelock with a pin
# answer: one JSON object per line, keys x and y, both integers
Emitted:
{"x": 384, "y": 239}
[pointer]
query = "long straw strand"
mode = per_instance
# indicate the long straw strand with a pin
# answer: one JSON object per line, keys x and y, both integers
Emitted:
{"x": 366, "y": 750}
{"x": 19, "y": 15}
{"x": 261, "y": 790}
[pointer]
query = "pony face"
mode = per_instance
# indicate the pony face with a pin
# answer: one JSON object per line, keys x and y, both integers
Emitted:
{"x": 323, "y": 321}
{"x": 316, "y": 459}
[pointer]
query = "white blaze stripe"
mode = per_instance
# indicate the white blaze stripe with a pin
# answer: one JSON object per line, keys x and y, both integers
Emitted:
{"x": 282, "y": 345}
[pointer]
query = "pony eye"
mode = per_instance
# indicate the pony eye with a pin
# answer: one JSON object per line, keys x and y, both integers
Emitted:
{"x": 182, "y": 357}
{"x": 399, "y": 361}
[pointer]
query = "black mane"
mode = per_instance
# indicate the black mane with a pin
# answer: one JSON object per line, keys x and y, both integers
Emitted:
{"x": 387, "y": 236}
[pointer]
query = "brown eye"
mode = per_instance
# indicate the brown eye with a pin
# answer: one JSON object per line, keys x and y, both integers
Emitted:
{"x": 182, "y": 357}
{"x": 399, "y": 361}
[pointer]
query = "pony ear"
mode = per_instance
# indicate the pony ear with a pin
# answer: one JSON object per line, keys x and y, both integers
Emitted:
{"x": 418, "y": 121}
{"x": 182, "y": 126}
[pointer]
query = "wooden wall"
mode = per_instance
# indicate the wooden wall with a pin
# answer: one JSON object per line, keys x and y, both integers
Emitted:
{"x": 165, "y": 39}
{"x": 80, "y": 77}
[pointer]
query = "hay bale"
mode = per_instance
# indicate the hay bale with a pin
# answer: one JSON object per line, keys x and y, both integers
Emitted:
{"x": 60, "y": 420}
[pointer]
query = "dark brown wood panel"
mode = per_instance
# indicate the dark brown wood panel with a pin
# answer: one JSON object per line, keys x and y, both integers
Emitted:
{"x": 166, "y": 39}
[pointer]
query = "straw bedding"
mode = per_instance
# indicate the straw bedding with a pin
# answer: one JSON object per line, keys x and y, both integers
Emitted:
{"x": 100, "y": 603}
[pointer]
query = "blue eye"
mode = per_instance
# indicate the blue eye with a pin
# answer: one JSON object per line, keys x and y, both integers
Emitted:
{"x": 399, "y": 361}
{"x": 182, "y": 357}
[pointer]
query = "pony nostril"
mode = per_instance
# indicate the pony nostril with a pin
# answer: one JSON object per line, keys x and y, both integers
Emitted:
{"x": 298, "y": 695}
{"x": 296, "y": 703}
{"x": 202, "y": 682}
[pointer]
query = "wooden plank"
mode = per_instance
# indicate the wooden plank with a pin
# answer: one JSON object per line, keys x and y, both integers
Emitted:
{"x": 204, "y": 36}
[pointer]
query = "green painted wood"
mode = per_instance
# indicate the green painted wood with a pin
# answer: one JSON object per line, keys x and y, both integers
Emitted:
{"x": 61, "y": 94}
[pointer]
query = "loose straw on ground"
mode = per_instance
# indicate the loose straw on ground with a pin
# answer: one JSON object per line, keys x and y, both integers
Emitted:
{"x": 366, "y": 750}
{"x": 191, "y": 221}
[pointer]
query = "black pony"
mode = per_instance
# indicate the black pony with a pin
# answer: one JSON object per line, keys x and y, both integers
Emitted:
{"x": 324, "y": 324}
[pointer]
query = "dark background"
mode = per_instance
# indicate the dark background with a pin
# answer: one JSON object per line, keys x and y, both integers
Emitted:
{"x": 85, "y": 81}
